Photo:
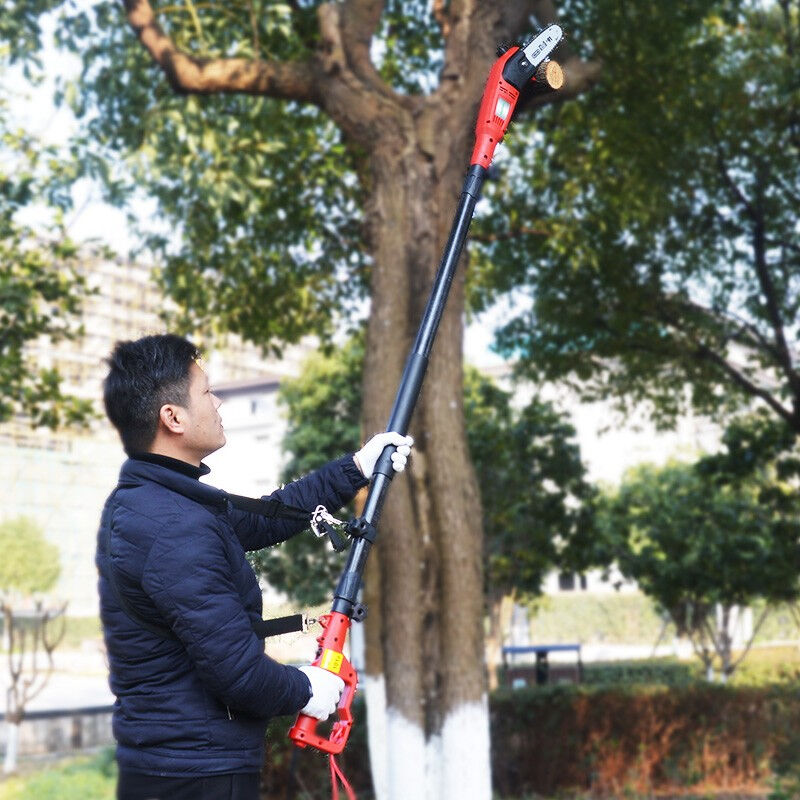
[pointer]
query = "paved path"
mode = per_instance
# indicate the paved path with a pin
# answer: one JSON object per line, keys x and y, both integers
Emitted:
{"x": 80, "y": 679}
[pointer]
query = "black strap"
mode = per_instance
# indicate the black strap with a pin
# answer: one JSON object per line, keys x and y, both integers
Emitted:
{"x": 279, "y": 625}
{"x": 271, "y": 508}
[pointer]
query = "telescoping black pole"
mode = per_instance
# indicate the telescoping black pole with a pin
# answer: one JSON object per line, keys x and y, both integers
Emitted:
{"x": 364, "y": 528}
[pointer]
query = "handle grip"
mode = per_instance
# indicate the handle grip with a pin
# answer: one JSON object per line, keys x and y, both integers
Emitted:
{"x": 330, "y": 656}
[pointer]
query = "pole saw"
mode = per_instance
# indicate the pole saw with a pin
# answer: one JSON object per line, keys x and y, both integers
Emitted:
{"x": 516, "y": 69}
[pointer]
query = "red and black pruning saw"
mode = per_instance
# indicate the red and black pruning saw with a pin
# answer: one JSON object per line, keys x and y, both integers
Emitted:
{"x": 514, "y": 71}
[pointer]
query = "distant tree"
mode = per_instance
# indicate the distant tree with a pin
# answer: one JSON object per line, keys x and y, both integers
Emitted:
{"x": 535, "y": 496}
{"x": 323, "y": 406}
{"x": 30, "y": 564}
{"x": 705, "y": 539}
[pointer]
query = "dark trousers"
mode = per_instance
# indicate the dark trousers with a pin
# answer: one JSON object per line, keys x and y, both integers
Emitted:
{"x": 228, "y": 786}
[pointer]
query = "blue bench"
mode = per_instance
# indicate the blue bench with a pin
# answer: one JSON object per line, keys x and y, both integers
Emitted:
{"x": 542, "y": 671}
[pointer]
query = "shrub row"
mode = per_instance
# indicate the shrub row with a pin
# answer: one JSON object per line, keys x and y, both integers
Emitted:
{"x": 661, "y": 672}
{"x": 610, "y": 741}
{"x": 615, "y": 740}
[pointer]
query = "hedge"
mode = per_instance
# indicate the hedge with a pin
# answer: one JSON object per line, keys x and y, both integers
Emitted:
{"x": 609, "y": 741}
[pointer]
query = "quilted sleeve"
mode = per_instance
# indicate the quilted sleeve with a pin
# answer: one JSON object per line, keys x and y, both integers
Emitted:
{"x": 332, "y": 486}
{"x": 187, "y": 575}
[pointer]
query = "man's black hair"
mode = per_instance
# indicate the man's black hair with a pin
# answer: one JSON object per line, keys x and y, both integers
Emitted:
{"x": 144, "y": 375}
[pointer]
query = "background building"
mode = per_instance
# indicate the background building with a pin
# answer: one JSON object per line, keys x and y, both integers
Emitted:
{"x": 61, "y": 479}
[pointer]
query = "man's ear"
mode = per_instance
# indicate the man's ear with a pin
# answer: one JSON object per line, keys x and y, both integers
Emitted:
{"x": 172, "y": 418}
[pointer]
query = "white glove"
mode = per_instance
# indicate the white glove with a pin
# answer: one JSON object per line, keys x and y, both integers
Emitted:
{"x": 368, "y": 455}
{"x": 326, "y": 689}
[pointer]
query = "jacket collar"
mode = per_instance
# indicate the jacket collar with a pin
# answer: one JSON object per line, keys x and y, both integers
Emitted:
{"x": 135, "y": 472}
{"x": 173, "y": 463}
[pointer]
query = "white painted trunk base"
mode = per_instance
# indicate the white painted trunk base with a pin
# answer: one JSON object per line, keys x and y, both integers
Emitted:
{"x": 12, "y": 744}
{"x": 466, "y": 761}
{"x": 374, "y": 688}
{"x": 452, "y": 764}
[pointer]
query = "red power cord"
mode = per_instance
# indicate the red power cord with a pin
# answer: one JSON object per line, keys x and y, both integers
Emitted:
{"x": 337, "y": 773}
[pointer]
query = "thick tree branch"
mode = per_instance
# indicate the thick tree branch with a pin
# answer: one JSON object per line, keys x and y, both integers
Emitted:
{"x": 579, "y": 77}
{"x": 704, "y": 352}
{"x": 359, "y": 21}
{"x": 741, "y": 380}
{"x": 195, "y": 75}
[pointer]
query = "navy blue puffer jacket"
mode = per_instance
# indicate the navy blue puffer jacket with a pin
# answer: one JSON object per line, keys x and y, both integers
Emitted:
{"x": 198, "y": 704}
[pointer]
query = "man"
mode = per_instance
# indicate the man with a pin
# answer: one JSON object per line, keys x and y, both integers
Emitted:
{"x": 178, "y": 598}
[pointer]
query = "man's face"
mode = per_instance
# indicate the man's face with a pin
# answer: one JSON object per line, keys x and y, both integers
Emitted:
{"x": 203, "y": 433}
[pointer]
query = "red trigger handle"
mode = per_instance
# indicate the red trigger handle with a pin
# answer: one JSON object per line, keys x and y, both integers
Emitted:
{"x": 330, "y": 656}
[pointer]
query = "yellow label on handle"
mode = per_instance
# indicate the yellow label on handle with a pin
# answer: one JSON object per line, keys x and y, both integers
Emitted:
{"x": 331, "y": 660}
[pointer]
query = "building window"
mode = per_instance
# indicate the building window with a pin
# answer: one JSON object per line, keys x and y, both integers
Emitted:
{"x": 569, "y": 582}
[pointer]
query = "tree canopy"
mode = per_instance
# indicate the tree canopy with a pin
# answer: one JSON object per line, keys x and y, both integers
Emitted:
{"x": 652, "y": 224}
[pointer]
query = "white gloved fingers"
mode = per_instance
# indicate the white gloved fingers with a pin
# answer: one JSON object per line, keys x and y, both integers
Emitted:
{"x": 400, "y": 458}
{"x": 326, "y": 689}
{"x": 368, "y": 455}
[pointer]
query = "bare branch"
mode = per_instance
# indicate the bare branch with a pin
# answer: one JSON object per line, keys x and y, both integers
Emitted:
{"x": 756, "y": 628}
{"x": 753, "y": 338}
{"x": 359, "y": 19}
{"x": 735, "y": 191}
{"x": 743, "y": 382}
{"x": 792, "y": 195}
{"x": 190, "y": 74}
{"x": 706, "y": 353}
{"x": 442, "y": 17}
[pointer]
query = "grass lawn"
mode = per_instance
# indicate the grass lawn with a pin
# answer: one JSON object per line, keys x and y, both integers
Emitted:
{"x": 86, "y": 778}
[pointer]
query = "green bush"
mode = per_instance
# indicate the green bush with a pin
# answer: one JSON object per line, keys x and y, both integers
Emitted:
{"x": 651, "y": 672}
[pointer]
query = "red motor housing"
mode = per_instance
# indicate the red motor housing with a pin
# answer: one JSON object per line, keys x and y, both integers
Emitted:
{"x": 497, "y": 107}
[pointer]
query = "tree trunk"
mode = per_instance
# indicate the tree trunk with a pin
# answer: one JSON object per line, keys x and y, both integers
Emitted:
{"x": 500, "y": 609}
{"x": 429, "y": 547}
{"x": 12, "y": 747}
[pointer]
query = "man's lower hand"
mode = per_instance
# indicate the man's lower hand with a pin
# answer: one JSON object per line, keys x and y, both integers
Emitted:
{"x": 326, "y": 689}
